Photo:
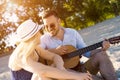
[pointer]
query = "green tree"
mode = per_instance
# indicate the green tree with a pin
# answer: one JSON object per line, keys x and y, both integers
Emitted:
{"x": 77, "y": 14}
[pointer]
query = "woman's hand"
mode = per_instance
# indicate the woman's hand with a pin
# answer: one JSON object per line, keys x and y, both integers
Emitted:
{"x": 85, "y": 76}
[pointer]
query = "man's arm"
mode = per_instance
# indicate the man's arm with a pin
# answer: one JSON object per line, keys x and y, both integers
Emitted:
{"x": 60, "y": 50}
{"x": 54, "y": 50}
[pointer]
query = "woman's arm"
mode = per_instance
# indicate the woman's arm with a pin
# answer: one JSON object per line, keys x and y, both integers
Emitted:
{"x": 58, "y": 61}
{"x": 47, "y": 71}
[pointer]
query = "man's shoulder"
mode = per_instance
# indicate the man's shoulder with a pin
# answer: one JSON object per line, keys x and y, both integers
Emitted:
{"x": 70, "y": 30}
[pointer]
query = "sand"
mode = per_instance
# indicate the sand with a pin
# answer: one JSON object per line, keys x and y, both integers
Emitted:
{"x": 91, "y": 35}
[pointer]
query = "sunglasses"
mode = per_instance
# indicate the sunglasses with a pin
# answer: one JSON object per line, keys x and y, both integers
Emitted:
{"x": 51, "y": 25}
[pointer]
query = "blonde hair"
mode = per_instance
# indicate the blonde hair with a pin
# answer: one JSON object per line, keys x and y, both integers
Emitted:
{"x": 24, "y": 49}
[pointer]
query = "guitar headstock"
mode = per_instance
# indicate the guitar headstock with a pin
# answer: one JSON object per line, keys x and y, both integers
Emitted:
{"x": 114, "y": 40}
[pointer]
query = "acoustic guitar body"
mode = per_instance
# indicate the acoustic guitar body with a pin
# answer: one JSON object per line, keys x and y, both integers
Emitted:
{"x": 71, "y": 62}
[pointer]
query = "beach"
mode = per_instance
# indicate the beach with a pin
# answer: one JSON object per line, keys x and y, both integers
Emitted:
{"x": 99, "y": 32}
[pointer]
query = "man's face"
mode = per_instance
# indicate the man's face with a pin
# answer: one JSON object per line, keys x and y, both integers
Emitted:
{"x": 52, "y": 25}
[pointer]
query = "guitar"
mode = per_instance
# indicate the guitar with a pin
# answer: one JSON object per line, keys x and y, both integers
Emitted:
{"x": 68, "y": 63}
{"x": 81, "y": 51}
{"x": 71, "y": 58}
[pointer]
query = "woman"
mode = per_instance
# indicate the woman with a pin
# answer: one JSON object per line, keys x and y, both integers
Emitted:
{"x": 24, "y": 61}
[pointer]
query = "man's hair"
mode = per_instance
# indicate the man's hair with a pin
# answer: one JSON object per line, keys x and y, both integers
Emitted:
{"x": 48, "y": 13}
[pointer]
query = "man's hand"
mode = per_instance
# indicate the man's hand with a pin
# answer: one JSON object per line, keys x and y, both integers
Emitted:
{"x": 62, "y": 49}
{"x": 105, "y": 45}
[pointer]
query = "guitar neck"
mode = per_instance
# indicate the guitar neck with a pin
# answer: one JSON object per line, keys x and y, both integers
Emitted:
{"x": 83, "y": 50}
{"x": 91, "y": 47}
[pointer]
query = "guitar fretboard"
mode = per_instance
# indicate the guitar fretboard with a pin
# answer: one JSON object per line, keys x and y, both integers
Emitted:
{"x": 83, "y": 50}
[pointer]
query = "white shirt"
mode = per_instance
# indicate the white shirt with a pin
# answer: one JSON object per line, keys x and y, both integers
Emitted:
{"x": 71, "y": 37}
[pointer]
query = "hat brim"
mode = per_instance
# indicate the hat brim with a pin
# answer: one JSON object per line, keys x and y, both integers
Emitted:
{"x": 29, "y": 35}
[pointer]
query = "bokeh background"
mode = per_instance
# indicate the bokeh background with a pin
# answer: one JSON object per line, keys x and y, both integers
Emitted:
{"x": 95, "y": 20}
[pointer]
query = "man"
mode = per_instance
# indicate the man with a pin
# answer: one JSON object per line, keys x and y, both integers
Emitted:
{"x": 56, "y": 38}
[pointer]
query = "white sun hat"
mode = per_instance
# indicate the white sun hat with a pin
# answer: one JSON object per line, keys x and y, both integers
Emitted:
{"x": 27, "y": 30}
